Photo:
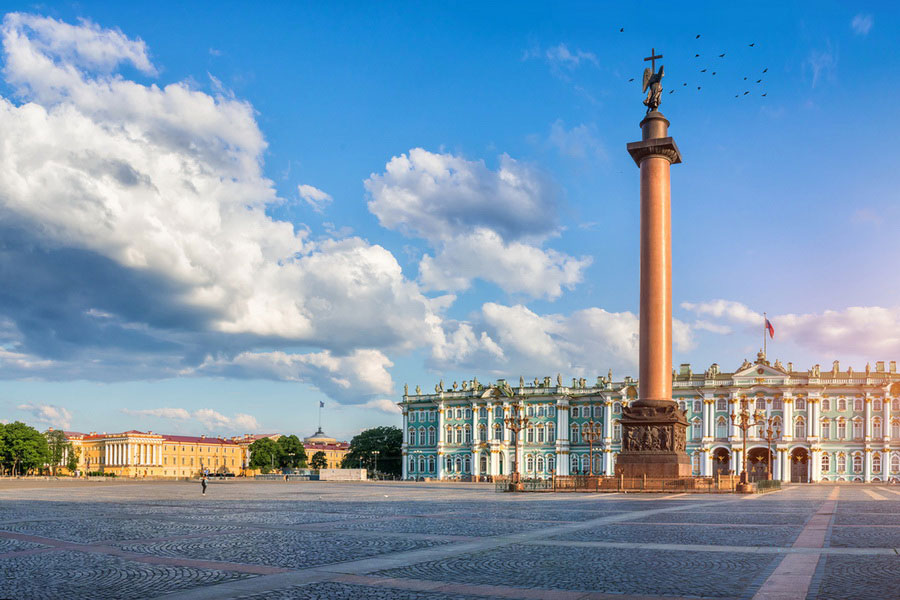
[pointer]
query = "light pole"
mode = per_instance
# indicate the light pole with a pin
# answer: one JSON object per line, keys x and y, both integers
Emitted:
{"x": 744, "y": 420}
{"x": 515, "y": 423}
{"x": 772, "y": 433}
{"x": 592, "y": 433}
{"x": 376, "y": 453}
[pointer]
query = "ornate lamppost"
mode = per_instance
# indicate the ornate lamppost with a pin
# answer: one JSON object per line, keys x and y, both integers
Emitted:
{"x": 772, "y": 433}
{"x": 375, "y": 453}
{"x": 515, "y": 422}
{"x": 744, "y": 420}
{"x": 592, "y": 434}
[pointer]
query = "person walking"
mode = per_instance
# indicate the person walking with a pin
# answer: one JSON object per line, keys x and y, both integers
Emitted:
{"x": 203, "y": 483}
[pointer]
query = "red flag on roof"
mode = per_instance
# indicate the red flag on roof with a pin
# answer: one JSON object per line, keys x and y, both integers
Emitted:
{"x": 770, "y": 329}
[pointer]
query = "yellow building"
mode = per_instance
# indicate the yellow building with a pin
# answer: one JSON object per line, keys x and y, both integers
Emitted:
{"x": 333, "y": 449}
{"x": 147, "y": 454}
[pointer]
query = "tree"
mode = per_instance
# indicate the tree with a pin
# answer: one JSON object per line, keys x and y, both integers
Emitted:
{"x": 292, "y": 454}
{"x": 72, "y": 461}
{"x": 264, "y": 454}
{"x": 386, "y": 441}
{"x": 24, "y": 448}
{"x": 57, "y": 444}
{"x": 318, "y": 460}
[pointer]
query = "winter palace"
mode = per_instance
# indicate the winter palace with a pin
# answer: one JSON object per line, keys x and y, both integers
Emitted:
{"x": 834, "y": 425}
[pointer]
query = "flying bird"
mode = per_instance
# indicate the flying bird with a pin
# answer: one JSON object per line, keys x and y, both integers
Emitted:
{"x": 714, "y": 72}
{"x": 671, "y": 91}
{"x": 758, "y": 80}
{"x": 753, "y": 44}
{"x": 698, "y": 37}
{"x": 735, "y": 95}
{"x": 632, "y": 79}
{"x": 766, "y": 69}
{"x": 703, "y": 70}
{"x": 698, "y": 87}
{"x": 683, "y": 84}
{"x": 745, "y": 79}
{"x": 696, "y": 56}
{"x": 764, "y": 94}
{"x": 745, "y": 93}
{"x": 621, "y": 30}
{"x": 722, "y": 55}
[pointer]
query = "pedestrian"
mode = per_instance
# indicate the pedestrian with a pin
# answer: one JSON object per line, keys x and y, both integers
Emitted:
{"x": 203, "y": 483}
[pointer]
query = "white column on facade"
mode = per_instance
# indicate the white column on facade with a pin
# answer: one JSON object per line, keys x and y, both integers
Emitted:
{"x": 708, "y": 412}
{"x": 607, "y": 420}
{"x": 106, "y": 454}
{"x": 736, "y": 463}
{"x": 114, "y": 450}
{"x": 886, "y": 420}
{"x": 867, "y": 423}
{"x": 520, "y": 444}
{"x": 783, "y": 472}
{"x": 404, "y": 458}
{"x": 475, "y": 424}
{"x": 734, "y": 405}
{"x": 815, "y": 464}
{"x": 440, "y": 441}
{"x": 562, "y": 437}
{"x": 788, "y": 418}
{"x": 708, "y": 462}
{"x": 867, "y": 464}
{"x": 495, "y": 462}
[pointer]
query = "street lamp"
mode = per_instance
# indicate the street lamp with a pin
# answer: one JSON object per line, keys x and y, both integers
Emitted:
{"x": 515, "y": 422}
{"x": 772, "y": 433}
{"x": 592, "y": 434}
{"x": 376, "y": 453}
{"x": 744, "y": 420}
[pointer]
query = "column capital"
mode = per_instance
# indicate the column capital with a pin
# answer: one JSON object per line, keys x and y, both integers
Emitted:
{"x": 654, "y": 148}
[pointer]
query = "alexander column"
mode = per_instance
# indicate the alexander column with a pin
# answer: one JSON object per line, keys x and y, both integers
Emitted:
{"x": 654, "y": 428}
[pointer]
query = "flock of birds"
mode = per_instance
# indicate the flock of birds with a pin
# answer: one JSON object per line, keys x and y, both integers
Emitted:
{"x": 707, "y": 69}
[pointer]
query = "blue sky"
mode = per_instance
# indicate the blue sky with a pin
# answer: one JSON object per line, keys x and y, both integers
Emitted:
{"x": 214, "y": 216}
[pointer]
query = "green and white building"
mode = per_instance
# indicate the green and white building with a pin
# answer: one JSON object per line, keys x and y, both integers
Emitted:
{"x": 834, "y": 425}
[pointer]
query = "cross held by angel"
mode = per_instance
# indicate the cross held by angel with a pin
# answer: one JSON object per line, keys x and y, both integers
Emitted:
{"x": 653, "y": 82}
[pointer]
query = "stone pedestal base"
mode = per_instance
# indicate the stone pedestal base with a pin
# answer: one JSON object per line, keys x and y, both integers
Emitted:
{"x": 653, "y": 442}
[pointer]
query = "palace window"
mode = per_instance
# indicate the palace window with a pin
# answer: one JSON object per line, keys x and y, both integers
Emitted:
{"x": 858, "y": 405}
{"x": 598, "y": 412}
{"x": 540, "y": 411}
{"x": 721, "y": 404}
{"x": 857, "y": 463}
{"x": 895, "y": 463}
{"x": 826, "y": 404}
{"x": 682, "y": 405}
{"x": 482, "y": 433}
{"x": 459, "y": 435}
{"x": 777, "y": 404}
{"x": 876, "y": 428}
{"x": 529, "y": 411}
{"x": 412, "y": 464}
{"x": 576, "y": 434}
{"x": 498, "y": 412}
{"x": 695, "y": 463}
{"x": 412, "y": 416}
{"x": 876, "y": 405}
{"x": 857, "y": 429}
{"x": 467, "y": 464}
{"x": 895, "y": 429}
{"x": 468, "y": 434}
{"x": 540, "y": 464}
{"x": 449, "y": 434}
{"x": 432, "y": 436}
{"x": 574, "y": 412}
{"x": 411, "y": 435}
{"x": 573, "y": 464}
{"x": 468, "y": 414}
{"x": 698, "y": 406}
{"x": 696, "y": 429}
{"x": 422, "y": 464}
{"x": 841, "y": 463}
{"x": 800, "y": 404}
{"x": 431, "y": 464}
{"x": 529, "y": 463}
{"x": 617, "y": 407}
{"x": 617, "y": 431}
{"x": 551, "y": 432}
{"x": 895, "y": 405}
{"x": 585, "y": 463}
{"x": 842, "y": 404}
{"x": 482, "y": 463}
{"x": 529, "y": 435}
{"x": 721, "y": 428}
{"x": 551, "y": 463}
{"x": 841, "y": 429}
{"x": 876, "y": 462}
{"x": 551, "y": 411}
{"x": 800, "y": 428}
{"x": 540, "y": 434}
{"x": 826, "y": 429}
{"x": 760, "y": 404}
{"x": 826, "y": 462}
{"x": 459, "y": 413}
{"x": 498, "y": 432}
{"x": 482, "y": 413}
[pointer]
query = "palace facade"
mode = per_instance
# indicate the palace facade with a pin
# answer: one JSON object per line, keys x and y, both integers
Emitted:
{"x": 835, "y": 425}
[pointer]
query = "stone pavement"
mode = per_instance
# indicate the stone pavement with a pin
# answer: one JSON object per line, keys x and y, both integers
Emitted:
{"x": 430, "y": 541}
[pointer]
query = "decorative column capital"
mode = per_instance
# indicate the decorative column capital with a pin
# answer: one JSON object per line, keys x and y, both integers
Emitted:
{"x": 654, "y": 148}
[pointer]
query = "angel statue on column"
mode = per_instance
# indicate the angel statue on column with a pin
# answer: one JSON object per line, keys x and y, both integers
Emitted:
{"x": 653, "y": 87}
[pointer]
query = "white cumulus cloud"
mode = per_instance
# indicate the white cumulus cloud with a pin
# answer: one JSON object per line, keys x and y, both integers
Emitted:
{"x": 48, "y": 415}
{"x": 315, "y": 197}
{"x": 207, "y": 418}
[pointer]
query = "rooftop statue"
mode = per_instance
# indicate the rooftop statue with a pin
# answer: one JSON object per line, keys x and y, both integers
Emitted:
{"x": 653, "y": 82}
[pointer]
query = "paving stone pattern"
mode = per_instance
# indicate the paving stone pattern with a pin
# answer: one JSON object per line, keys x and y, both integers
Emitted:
{"x": 302, "y": 540}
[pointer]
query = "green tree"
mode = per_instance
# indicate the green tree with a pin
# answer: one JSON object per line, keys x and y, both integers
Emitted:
{"x": 72, "y": 460}
{"x": 57, "y": 444}
{"x": 386, "y": 441}
{"x": 318, "y": 460}
{"x": 24, "y": 448}
{"x": 264, "y": 454}
{"x": 292, "y": 454}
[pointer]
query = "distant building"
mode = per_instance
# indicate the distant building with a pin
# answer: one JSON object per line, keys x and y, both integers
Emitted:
{"x": 833, "y": 425}
{"x": 333, "y": 449}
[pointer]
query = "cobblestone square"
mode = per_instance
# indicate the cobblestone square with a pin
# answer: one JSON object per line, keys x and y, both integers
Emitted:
{"x": 448, "y": 541}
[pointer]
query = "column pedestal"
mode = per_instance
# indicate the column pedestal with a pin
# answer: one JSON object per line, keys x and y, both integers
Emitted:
{"x": 653, "y": 442}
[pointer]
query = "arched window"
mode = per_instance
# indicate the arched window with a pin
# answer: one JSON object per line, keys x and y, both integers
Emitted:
{"x": 617, "y": 407}
{"x": 412, "y": 464}
{"x": 826, "y": 462}
{"x": 877, "y": 430}
{"x": 876, "y": 405}
{"x": 412, "y": 416}
{"x": 449, "y": 434}
{"x": 540, "y": 434}
{"x": 799, "y": 428}
{"x": 800, "y": 404}
{"x": 482, "y": 463}
{"x": 459, "y": 435}
{"x": 895, "y": 405}
{"x": 895, "y": 429}
{"x": 695, "y": 463}
{"x": 540, "y": 412}
{"x": 574, "y": 412}
{"x": 431, "y": 464}
{"x": 721, "y": 404}
{"x": 585, "y": 463}
{"x": 857, "y": 429}
{"x": 576, "y": 434}
{"x": 895, "y": 463}
{"x": 876, "y": 462}
{"x": 598, "y": 412}
{"x": 857, "y": 463}
{"x": 841, "y": 429}
{"x": 551, "y": 463}
{"x": 432, "y": 439}
{"x": 826, "y": 429}
{"x": 540, "y": 464}
{"x": 682, "y": 405}
{"x": 468, "y": 414}
{"x": 617, "y": 431}
{"x": 826, "y": 404}
{"x": 468, "y": 434}
{"x": 760, "y": 404}
{"x": 529, "y": 434}
{"x": 551, "y": 411}
{"x": 498, "y": 412}
{"x": 842, "y": 404}
{"x": 551, "y": 432}
{"x": 721, "y": 428}
{"x": 467, "y": 463}
{"x": 449, "y": 464}
{"x": 422, "y": 464}
{"x": 842, "y": 463}
{"x": 573, "y": 464}
{"x": 858, "y": 405}
{"x": 482, "y": 413}
{"x": 529, "y": 412}
{"x": 696, "y": 430}
{"x": 458, "y": 464}
{"x": 422, "y": 436}
{"x": 411, "y": 436}
{"x": 498, "y": 432}
{"x": 698, "y": 406}
{"x": 598, "y": 464}
{"x": 777, "y": 404}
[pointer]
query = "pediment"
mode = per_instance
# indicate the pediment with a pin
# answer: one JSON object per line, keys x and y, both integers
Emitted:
{"x": 759, "y": 370}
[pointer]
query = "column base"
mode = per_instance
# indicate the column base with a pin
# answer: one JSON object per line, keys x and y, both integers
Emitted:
{"x": 653, "y": 442}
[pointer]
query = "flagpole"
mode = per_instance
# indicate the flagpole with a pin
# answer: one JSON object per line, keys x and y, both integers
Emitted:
{"x": 765, "y": 331}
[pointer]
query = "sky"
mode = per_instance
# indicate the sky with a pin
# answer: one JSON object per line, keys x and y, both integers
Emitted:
{"x": 215, "y": 216}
